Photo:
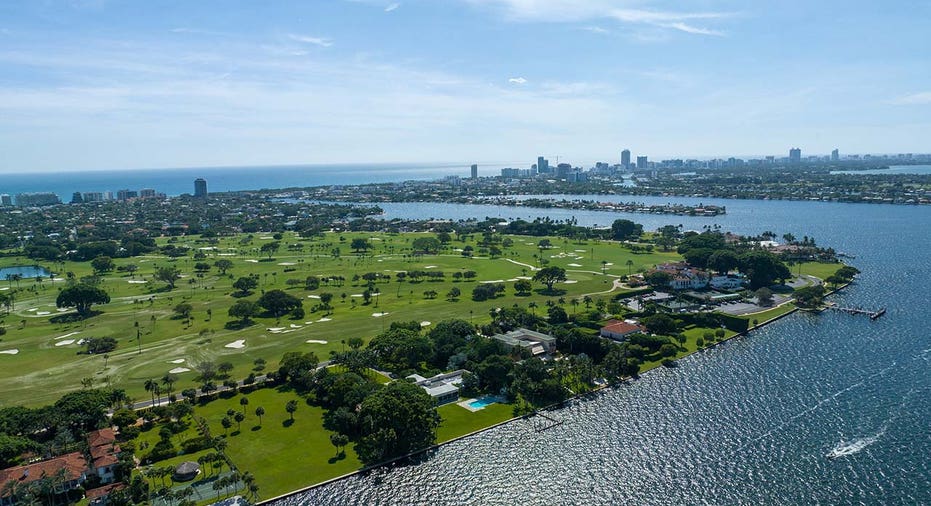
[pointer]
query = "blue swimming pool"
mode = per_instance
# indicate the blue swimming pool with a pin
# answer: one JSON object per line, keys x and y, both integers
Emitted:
{"x": 481, "y": 403}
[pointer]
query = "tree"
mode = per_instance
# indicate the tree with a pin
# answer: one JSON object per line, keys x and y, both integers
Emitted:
{"x": 426, "y": 245}
{"x": 223, "y": 265}
{"x": 102, "y": 264}
{"x": 168, "y": 275}
{"x": 764, "y": 297}
{"x": 291, "y": 407}
{"x": 723, "y": 261}
{"x": 239, "y": 417}
{"x": 399, "y": 349}
{"x": 625, "y": 229}
{"x": 763, "y": 268}
{"x": 245, "y": 285}
{"x": 183, "y": 310}
{"x": 270, "y": 248}
{"x": 400, "y": 418}
{"x": 243, "y": 310}
{"x": 360, "y": 244}
{"x": 523, "y": 287}
{"x": 82, "y": 297}
{"x": 557, "y": 315}
{"x": 658, "y": 279}
{"x": 453, "y": 293}
{"x": 486, "y": 291}
{"x": 659, "y": 324}
{"x": 278, "y": 302}
{"x": 226, "y": 423}
{"x": 550, "y": 276}
{"x": 260, "y": 412}
{"x": 339, "y": 440}
{"x": 98, "y": 345}
{"x": 809, "y": 296}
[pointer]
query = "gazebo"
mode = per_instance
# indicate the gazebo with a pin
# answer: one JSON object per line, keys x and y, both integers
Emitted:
{"x": 186, "y": 471}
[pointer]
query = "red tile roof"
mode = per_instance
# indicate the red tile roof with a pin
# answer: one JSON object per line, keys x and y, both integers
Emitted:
{"x": 103, "y": 447}
{"x": 620, "y": 327}
{"x": 102, "y": 491}
{"x": 73, "y": 464}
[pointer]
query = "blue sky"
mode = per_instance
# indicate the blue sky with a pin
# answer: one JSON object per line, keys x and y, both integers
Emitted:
{"x": 100, "y": 84}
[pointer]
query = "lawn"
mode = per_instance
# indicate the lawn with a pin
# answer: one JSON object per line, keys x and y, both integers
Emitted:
{"x": 458, "y": 421}
{"x": 48, "y": 362}
{"x": 821, "y": 270}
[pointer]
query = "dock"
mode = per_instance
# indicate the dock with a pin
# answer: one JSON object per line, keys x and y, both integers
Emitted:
{"x": 855, "y": 310}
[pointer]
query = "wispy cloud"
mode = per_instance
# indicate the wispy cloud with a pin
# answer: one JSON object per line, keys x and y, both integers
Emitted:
{"x": 920, "y": 98}
{"x": 317, "y": 41}
{"x": 517, "y": 80}
{"x": 392, "y": 7}
{"x": 596, "y": 29}
{"x": 573, "y": 11}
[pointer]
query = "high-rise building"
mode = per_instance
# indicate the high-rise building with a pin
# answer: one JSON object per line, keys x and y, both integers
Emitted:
{"x": 126, "y": 194}
{"x": 563, "y": 170}
{"x": 795, "y": 155}
{"x": 543, "y": 165}
{"x": 76, "y": 198}
{"x": 625, "y": 158}
{"x": 835, "y": 155}
{"x": 147, "y": 193}
{"x": 474, "y": 171}
{"x": 641, "y": 162}
{"x": 6, "y": 200}
{"x": 37, "y": 199}
{"x": 200, "y": 188}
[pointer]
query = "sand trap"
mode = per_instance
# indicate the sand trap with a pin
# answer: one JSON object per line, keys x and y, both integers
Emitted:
{"x": 581, "y": 251}
{"x": 5, "y": 288}
{"x": 574, "y": 265}
{"x": 293, "y": 326}
{"x": 315, "y": 341}
{"x": 14, "y": 351}
{"x": 42, "y": 313}
{"x": 252, "y": 260}
{"x": 524, "y": 277}
{"x": 325, "y": 319}
{"x": 179, "y": 370}
{"x": 570, "y": 281}
{"x": 136, "y": 282}
{"x": 66, "y": 336}
{"x": 64, "y": 342}
{"x": 429, "y": 267}
{"x": 609, "y": 263}
{"x": 63, "y": 310}
{"x": 379, "y": 315}
{"x": 176, "y": 361}
{"x": 493, "y": 281}
{"x": 356, "y": 295}
{"x": 238, "y": 344}
{"x": 307, "y": 323}
{"x": 266, "y": 238}
{"x": 287, "y": 263}
{"x": 33, "y": 309}
{"x": 424, "y": 324}
{"x": 275, "y": 329}
{"x": 513, "y": 279}
{"x": 313, "y": 296}
{"x": 226, "y": 254}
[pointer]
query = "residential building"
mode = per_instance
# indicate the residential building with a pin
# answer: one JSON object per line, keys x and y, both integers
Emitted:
{"x": 795, "y": 155}
{"x": 727, "y": 282}
{"x": 70, "y": 469}
{"x": 200, "y": 188}
{"x": 543, "y": 165}
{"x": 563, "y": 170}
{"x": 37, "y": 199}
{"x": 444, "y": 388}
{"x": 146, "y": 193}
{"x": 104, "y": 453}
{"x": 835, "y": 155}
{"x": 625, "y": 158}
{"x": 6, "y": 200}
{"x": 474, "y": 171}
{"x": 535, "y": 342}
{"x": 619, "y": 330}
{"x": 642, "y": 162}
{"x": 126, "y": 194}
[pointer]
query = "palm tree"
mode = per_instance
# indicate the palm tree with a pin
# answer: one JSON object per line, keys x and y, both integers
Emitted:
{"x": 169, "y": 380}
{"x": 533, "y": 307}
{"x": 291, "y": 407}
{"x": 630, "y": 265}
{"x": 150, "y": 385}
{"x": 604, "y": 265}
{"x": 259, "y": 412}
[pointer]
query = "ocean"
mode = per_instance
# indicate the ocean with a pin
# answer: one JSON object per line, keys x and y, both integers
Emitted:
{"x": 222, "y": 179}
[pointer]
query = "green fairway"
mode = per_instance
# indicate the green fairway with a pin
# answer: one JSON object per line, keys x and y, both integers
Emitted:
{"x": 48, "y": 362}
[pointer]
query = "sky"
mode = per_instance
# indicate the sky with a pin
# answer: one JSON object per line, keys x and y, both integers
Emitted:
{"x": 108, "y": 84}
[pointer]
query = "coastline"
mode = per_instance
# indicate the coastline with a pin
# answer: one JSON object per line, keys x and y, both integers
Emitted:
{"x": 545, "y": 408}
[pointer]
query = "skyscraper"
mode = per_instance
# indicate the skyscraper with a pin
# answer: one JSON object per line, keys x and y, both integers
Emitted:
{"x": 835, "y": 155}
{"x": 200, "y": 188}
{"x": 474, "y": 171}
{"x": 795, "y": 155}
{"x": 543, "y": 165}
{"x": 641, "y": 162}
{"x": 625, "y": 158}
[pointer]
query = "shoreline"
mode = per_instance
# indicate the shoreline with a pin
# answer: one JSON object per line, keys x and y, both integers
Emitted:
{"x": 513, "y": 419}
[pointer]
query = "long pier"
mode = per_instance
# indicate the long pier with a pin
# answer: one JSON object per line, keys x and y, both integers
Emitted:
{"x": 854, "y": 310}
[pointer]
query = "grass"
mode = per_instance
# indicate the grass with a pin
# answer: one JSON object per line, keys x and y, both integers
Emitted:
{"x": 458, "y": 421}
{"x": 42, "y": 371}
{"x": 820, "y": 270}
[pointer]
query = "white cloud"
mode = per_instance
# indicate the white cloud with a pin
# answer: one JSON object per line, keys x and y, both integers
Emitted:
{"x": 571, "y": 11}
{"x": 517, "y": 80}
{"x": 317, "y": 41}
{"x": 392, "y": 7}
{"x": 921, "y": 98}
{"x": 596, "y": 29}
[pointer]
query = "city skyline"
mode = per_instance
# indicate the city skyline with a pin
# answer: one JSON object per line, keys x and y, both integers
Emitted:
{"x": 96, "y": 84}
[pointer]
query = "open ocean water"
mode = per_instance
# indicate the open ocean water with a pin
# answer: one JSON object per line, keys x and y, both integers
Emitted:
{"x": 749, "y": 422}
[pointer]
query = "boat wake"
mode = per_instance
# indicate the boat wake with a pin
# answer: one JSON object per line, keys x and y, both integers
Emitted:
{"x": 845, "y": 449}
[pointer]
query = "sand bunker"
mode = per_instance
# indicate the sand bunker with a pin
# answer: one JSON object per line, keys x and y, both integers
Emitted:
{"x": 136, "y": 282}
{"x": 275, "y": 329}
{"x": 424, "y": 324}
{"x": 313, "y": 296}
{"x": 252, "y": 260}
{"x": 176, "y": 361}
{"x": 66, "y": 336}
{"x": 179, "y": 370}
{"x": 570, "y": 281}
{"x": 287, "y": 263}
{"x": 315, "y": 341}
{"x": 493, "y": 281}
{"x": 293, "y": 326}
{"x": 581, "y": 251}
{"x": 379, "y": 315}
{"x": 325, "y": 319}
{"x": 64, "y": 342}
{"x": 42, "y": 313}
{"x": 14, "y": 351}
{"x": 238, "y": 344}
{"x": 429, "y": 267}
{"x": 574, "y": 265}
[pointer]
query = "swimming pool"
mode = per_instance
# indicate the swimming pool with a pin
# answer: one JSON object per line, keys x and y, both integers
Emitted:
{"x": 484, "y": 401}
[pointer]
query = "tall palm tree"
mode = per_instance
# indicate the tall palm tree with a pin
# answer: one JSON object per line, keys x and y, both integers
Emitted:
{"x": 630, "y": 265}
{"x": 150, "y": 385}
